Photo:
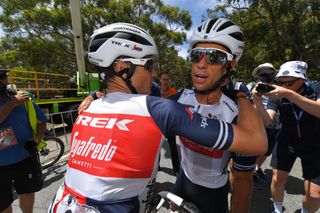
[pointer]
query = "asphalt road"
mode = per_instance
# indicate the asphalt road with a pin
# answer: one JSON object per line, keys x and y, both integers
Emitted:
{"x": 261, "y": 199}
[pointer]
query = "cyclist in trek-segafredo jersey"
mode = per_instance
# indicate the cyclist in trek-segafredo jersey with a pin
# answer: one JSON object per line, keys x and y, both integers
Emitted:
{"x": 115, "y": 143}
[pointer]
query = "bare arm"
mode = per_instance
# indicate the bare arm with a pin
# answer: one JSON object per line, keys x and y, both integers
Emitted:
{"x": 87, "y": 101}
{"x": 310, "y": 106}
{"x": 7, "y": 108}
{"x": 249, "y": 134}
{"x": 41, "y": 128}
{"x": 266, "y": 115}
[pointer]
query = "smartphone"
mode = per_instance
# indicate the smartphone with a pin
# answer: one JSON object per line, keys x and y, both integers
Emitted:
{"x": 264, "y": 88}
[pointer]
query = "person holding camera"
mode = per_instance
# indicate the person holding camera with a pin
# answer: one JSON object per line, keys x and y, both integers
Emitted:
{"x": 265, "y": 73}
{"x": 298, "y": 101}
{"x": 17, "y": 167}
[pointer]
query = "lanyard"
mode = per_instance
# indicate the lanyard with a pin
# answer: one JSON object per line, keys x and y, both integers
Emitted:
{"x": 298, "y": 118}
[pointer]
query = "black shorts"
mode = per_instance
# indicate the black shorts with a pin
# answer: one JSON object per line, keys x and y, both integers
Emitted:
{"x": 284, "y": 156}
{"x": 272, "y": 139}
{"x": 206, "y": 199}
{"x": 24, "y": 177}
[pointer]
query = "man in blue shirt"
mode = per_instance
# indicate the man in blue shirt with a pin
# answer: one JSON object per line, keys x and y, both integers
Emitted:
{"x": 18, "y": 169}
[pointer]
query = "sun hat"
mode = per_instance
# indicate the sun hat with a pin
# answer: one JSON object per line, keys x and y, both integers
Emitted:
{"x": 266, "y": 69}
{"x": 296, "y": 69}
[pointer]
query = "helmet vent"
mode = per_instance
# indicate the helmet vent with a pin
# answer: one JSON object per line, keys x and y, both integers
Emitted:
{"x": 225, "y": 25}
{"x": 211, "y": 23}
{"x": 237, "y": 35}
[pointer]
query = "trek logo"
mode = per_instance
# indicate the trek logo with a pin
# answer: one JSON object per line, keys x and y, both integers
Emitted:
{"x": 103, "y": 123}
{"x": 120, "y": 44}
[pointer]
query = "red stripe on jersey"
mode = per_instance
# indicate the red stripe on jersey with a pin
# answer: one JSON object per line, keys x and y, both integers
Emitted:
{"x": 214, "y": 153}
{"x": 114, "y": 145}
{"x": 189, "y": 112}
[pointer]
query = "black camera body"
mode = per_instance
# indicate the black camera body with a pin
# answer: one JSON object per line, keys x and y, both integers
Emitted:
{"x": 264, "y": 88}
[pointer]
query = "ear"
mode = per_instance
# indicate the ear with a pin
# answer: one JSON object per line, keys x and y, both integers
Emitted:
{"x": 233, "y": 64}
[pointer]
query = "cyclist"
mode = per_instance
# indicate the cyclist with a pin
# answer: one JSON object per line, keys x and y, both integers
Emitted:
{"x": 203, "y": 178}
{"x": 298, "y": 102}
{"x": 116, "y": 141}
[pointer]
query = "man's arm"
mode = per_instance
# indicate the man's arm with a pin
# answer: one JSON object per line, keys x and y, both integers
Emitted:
{"x": 249, "y": 134}
{"x": 88, "y": 100}
{"x": 7, "y": 108}
{"x": 247, "y": 137}
{"x": 266, "y": 115}
{"x": 310, "y": 106}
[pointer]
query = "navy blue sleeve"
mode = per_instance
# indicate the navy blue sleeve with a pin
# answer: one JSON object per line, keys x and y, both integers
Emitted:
{"x": 243, "y": 163}
{"x": 175, "y": 119}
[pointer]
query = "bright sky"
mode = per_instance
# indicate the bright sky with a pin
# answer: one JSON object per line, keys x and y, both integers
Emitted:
{"x": 196, "y": 9}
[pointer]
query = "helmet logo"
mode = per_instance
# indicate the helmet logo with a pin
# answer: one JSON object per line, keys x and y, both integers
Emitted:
{"x": 135, "y": 47}
{"x": 120, "y": 44}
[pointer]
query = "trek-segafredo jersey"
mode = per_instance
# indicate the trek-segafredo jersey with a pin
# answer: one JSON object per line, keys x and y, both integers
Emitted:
{"x": 204, "y": 166}
{"x": 116, "y": 141}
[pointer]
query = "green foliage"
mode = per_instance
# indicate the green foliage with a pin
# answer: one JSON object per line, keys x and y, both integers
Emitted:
{"x": 275, "y": 31}
{"x": 38, "y": 33}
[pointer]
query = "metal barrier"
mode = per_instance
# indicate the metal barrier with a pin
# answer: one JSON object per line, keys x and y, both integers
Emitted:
{"x": 64, "y": 128}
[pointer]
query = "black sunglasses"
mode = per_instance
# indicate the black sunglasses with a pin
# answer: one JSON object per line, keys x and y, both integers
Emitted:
{"x": 287, "y": 83}
{"x": 212, "y": 55}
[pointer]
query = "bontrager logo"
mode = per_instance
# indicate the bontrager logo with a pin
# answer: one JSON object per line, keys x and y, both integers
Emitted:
{"x": 103, "y": 123}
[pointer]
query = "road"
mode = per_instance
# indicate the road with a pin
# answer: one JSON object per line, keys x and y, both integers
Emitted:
{"x": 261, "y": 200}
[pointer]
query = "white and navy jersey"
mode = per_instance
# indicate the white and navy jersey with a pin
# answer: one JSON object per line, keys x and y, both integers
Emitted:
{"x": 116, "y": 141}
{"x": 204, "y": 166}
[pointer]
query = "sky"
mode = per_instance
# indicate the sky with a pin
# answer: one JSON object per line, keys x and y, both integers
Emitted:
{"x": 196, "y": 9}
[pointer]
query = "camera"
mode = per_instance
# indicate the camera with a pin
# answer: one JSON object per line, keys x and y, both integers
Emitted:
{"x": 264, "y": 88}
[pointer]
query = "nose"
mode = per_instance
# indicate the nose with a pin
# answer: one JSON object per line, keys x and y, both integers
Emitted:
{"x": 202, "y": 63}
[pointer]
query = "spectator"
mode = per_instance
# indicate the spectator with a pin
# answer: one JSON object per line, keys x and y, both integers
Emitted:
{"x": 298, "y": 102}
{"x": 265, "y": 73}
{"x": 18, "y": 169}
{"x": 165, "y": 88}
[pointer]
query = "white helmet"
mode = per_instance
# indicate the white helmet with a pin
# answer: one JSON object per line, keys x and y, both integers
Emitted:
{"x": 221, "y": 31}
{"x": 120, "y": 40}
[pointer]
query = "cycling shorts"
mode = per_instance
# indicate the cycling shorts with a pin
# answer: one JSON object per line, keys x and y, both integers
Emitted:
{"x": 24, "y": 177}
{"x": 208, "y": 200}
{"x": 285, "y": 155}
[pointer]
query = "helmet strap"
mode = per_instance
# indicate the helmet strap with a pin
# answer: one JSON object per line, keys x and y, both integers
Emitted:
{"x": 127, "y": 80}
{"x": 219, "y": 82}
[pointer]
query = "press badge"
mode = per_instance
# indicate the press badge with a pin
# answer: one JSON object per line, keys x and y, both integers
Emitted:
{"x": 7, "y": 138}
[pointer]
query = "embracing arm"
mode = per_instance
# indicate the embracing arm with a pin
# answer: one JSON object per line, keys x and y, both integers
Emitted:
{"x": 246, "y": 137}
{"x": 249, "y": 134}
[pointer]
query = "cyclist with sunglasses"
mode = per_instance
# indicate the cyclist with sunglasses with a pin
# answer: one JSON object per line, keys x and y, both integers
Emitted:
{"x": 115, "y": 143}
{"x": 298, "y": 102}
{"x": 215, "y": 48}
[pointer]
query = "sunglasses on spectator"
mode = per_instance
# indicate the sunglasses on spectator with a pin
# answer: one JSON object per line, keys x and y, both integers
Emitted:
{"x": 212, "y": 55}
{"x": 287, "y": 83}
{"x": 147, "y": 63}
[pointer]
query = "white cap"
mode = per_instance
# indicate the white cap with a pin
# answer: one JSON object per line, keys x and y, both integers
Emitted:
{"x": 296, "y": 69}
{"x": 268, "y": 67}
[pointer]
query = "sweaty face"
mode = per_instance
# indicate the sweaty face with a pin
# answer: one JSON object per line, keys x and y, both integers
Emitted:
{"x": 205, "y": 75}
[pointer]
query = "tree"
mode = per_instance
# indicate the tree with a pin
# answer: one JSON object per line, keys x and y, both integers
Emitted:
{"x": 38, "y": 33}
{"x": 276, "y": 31}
